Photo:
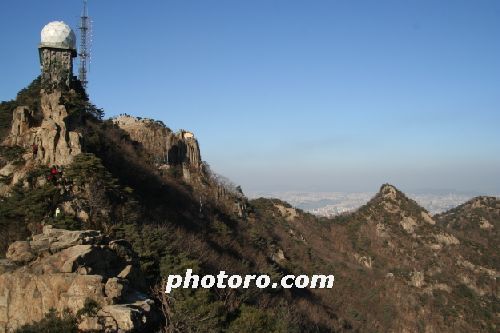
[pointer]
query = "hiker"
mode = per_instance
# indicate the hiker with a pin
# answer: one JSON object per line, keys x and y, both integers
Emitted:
{"x": 53, "y": 174}
{"x": 58, "y": 211}
{"x": 35, "y": 150}
{"x": 54, "y": 171}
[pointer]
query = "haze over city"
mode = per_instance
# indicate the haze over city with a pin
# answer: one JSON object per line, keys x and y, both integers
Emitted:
{"x": 293, "y": 95}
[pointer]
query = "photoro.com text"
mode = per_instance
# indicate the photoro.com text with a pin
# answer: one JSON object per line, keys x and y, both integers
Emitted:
{"x": 223, "y": 280}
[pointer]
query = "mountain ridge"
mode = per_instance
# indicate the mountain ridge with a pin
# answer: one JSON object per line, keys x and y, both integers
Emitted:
{"x": 396, "y": 267}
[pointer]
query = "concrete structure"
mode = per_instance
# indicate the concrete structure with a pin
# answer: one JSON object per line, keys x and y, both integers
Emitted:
{"x": 57, "y": 50}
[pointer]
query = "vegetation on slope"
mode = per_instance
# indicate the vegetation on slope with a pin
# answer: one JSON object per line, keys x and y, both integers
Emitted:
{"x": 376, "y": 259}
{"x": 476, "y": 223}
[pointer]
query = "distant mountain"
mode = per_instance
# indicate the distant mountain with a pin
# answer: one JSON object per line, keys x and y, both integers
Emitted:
{"x": 329, "y": 204}
{"x": 397, "y": 269}
{"x": 397, "y": 239}
{"x": 477, "y": 223}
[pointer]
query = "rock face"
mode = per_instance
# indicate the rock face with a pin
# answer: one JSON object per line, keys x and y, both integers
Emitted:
{"x": 184, "y": 148}
{"x": 151, "y": 134}
{"x": 61, "y": 269}
{"x": 165, "y": 146}
{"x": 56, "y": 144}
{"x": 57, "y": 65}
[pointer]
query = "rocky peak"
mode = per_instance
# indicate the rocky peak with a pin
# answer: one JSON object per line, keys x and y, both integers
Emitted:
{"x": 153, "y": 135}
{"x": 55, "y": 143}
{"x": 388, "y": 192}
{"x": 62, "y": 269}
{"x": 166, "y": 148}
{"x": 393, "y": 201}
{"x": 392, "y": 207}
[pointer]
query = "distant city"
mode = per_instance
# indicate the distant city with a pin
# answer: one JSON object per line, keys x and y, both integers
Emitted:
{"x": 329, "y": 204}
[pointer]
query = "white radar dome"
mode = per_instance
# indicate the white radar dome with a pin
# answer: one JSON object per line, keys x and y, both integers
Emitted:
{"x": 59, "y": 35}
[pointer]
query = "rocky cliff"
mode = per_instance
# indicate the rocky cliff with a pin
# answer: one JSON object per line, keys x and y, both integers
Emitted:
{"x": 166, "y": 147}
{"x": 63, "y": 269}
{"x": 56, "y": 143}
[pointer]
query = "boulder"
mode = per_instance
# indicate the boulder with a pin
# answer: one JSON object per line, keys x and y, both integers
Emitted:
{"x": 61, "y": 269}
{"x": 20, "y": 252}
{"x": 115, "y": 288}
{"x": 54, "y": 240}
{"x": 417, "y": 279}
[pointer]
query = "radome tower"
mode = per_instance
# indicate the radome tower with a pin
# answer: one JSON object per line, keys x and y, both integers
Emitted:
{"x": 57, "y": 50}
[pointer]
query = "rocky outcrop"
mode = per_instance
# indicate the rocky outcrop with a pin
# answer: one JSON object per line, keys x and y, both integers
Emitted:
{"x": 152, "y": 135}
{"x": 56, "y": 143}
{"x": 184, "y": 149}
{"x": 62, "y": 269}
{"x": 166, "y": 147}
{"x": 390, "y": 202}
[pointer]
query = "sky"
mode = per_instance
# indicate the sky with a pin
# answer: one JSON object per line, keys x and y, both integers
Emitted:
{"x": 288, "y": 95}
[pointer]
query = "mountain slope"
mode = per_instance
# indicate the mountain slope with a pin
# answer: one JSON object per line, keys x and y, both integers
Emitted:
{"x": 397, "y": 269}
{"x": 417, "y": 268}
{"x": 476, "y": 223}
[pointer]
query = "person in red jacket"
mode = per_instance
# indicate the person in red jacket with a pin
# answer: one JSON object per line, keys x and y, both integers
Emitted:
{"x": 53, "y": 173}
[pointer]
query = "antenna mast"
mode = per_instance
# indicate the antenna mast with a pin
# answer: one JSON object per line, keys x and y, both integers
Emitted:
{"x": 85, "y": 40}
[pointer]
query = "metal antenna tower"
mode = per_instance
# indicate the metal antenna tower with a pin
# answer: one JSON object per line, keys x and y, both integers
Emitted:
{"x": 85, "y": 40}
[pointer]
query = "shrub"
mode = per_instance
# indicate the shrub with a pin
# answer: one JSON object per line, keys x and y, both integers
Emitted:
{"x": 52, "y": 323}
{"x": 12, "y": 154}
{"x": 23, "y": 207}
{"x": 253, "y": 320}
{"x": 90, "y": 308}
{"x": 193, "y": 310}
{"x": 64, "y": 222}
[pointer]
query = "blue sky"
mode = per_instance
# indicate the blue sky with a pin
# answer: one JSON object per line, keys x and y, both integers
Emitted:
{"x": 296, "y": 95}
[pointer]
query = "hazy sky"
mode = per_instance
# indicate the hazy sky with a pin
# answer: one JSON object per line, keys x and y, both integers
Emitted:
{"x": 296, "y": 95}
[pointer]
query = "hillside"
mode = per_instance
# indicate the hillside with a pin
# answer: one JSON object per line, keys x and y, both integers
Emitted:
{"x": 397, "y": 268}
{"x": 396, "y": 239}
{"x": 476, "y": 223}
